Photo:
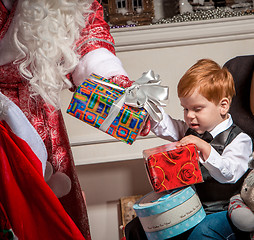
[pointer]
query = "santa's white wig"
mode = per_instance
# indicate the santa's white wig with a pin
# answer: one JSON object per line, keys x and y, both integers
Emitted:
{"x": 44, "y": 33}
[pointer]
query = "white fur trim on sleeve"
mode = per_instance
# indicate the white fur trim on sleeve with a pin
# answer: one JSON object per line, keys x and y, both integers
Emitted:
{"x": 99, "y": 61}
{"x": 20, "y": 125}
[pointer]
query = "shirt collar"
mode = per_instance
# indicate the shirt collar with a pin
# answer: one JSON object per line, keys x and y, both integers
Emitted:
{"x": 222, "y": 126}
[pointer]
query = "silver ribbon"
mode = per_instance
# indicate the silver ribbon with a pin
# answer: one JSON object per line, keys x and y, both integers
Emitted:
{"x": 146, "y": 92}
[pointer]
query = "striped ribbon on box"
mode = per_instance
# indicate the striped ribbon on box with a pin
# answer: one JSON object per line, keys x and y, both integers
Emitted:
{"x": 167, "y": 214}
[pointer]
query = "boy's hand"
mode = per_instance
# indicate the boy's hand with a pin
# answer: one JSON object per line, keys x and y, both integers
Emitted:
{"x": 203, "y": 146}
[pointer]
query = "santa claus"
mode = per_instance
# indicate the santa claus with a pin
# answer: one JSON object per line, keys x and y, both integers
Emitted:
{"x": 47, "y": 46}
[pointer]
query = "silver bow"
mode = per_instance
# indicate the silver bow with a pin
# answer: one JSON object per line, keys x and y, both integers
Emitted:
{"x": 146, "y": 92}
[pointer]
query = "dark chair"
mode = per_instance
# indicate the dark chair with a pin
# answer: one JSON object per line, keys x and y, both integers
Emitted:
{"x": 242, "y": 68}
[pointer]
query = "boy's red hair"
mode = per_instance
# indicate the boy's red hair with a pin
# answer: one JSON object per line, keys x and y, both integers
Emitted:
{"x": 212, "y": 81}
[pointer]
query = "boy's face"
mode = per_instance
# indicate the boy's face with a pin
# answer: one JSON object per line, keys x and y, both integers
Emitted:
{"x": 202, "y": 115}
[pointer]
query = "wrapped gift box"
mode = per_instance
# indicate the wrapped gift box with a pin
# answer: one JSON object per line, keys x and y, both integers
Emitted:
{"x": 91, "y": 103}
{"x": 170, "y": 167}
{"x": 164, "y": 215}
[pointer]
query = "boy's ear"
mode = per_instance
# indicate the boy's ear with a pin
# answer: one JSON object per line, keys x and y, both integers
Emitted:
{"x": 224, "y": 105}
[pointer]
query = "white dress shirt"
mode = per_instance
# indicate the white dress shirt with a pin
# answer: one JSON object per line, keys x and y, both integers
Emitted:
{"x": 225, "y": 168}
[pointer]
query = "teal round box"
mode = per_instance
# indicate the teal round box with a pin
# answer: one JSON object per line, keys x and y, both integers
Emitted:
{"x": 168, "y": 214}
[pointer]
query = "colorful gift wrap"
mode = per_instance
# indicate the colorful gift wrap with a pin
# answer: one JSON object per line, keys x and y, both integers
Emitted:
{"x": 92, "y": 102}
{"x": 170, "y": 167}
{"x": 167, "y": 214}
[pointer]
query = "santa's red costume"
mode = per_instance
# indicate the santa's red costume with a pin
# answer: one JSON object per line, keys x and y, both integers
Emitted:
{"x": 47, "y": 46}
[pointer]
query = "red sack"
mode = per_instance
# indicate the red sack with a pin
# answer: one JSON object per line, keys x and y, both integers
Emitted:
{"x": 33, "y": 210}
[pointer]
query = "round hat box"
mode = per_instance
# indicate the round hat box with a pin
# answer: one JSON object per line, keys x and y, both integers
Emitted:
{"x": 167, "y": 214}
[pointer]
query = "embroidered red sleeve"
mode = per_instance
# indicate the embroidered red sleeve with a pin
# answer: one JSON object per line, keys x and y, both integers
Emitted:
{"x": 96, "y": 34}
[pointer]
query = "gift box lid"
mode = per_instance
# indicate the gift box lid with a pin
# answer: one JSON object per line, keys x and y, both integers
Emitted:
{"x": 159, "y": 202}
{"x": 168, "y": 214}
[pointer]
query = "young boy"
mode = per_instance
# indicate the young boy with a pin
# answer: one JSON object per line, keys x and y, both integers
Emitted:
{"x": 205, "y": 92}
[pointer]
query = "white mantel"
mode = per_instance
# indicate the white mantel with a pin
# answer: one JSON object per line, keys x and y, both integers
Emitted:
{"x": 183, "y": 34}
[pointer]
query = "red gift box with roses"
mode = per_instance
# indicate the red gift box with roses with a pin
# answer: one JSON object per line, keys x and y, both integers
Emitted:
{"x": 170, "y": 167}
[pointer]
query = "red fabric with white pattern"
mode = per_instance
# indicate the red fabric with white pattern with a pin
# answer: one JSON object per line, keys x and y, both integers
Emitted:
{"x": 33, "y": 210}
{"x": 47, "y": 121}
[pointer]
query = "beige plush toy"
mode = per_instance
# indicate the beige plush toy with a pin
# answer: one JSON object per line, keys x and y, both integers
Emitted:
{"x": 241, "y": 207}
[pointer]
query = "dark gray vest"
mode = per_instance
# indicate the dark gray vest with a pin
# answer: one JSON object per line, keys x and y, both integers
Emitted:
{"x": 213, "y": 194}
